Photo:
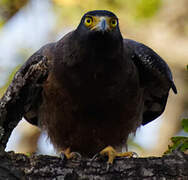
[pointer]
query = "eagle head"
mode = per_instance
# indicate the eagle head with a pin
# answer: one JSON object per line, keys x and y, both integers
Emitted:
{"x": 99, "y": 28}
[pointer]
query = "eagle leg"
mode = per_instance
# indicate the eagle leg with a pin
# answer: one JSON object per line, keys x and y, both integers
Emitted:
{"x": 112, "y": 154}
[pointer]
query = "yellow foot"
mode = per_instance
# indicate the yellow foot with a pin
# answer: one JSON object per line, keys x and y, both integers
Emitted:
{"x": 112, "y": 154}
{"x": 70, "y": 155}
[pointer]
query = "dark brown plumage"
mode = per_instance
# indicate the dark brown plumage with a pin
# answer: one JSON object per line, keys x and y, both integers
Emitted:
{"x": 100, "y": 87}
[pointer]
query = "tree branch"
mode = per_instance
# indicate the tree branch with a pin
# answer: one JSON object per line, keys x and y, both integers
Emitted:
{"x": 19, "y": 166}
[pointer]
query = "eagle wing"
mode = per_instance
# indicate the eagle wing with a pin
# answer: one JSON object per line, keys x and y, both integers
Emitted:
{"x": 32, "y": 88}
{"x": 155, "y": 78}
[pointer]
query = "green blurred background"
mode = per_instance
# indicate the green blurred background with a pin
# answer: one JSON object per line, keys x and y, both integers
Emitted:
{"x": 26, "y": 25}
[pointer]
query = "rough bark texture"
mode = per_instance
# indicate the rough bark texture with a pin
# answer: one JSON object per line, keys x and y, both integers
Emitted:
{"x": 19, "y": 166}
{"x": 16, "y": 101}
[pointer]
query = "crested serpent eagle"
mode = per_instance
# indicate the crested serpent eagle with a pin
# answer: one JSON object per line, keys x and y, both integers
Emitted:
{"x": 100, "y": 87}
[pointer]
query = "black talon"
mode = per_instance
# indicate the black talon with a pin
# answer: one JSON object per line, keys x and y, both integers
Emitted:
{"x": 98, "y": 157}
{"x": 95, "y": 157}
{"x": 135, "y": 155}
{"x": 77, "y": 156}
{"x": 63, "y": 157}
{"x": 108, "y": 165}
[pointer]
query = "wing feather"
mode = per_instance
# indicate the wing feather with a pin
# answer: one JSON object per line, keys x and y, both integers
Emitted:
{"x": 33, "y": 95}
{"x": 155, "y": 77}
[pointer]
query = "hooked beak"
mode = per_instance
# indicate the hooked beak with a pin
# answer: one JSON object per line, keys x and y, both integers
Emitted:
{"x": 102, "y": 25}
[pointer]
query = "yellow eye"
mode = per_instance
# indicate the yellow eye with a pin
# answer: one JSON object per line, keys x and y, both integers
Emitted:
{"x": 88, "y": 21}
{"x": 113, "y": 23}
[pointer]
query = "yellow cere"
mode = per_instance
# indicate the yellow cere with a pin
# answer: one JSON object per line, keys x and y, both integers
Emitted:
{"x": 92, "y": 22}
